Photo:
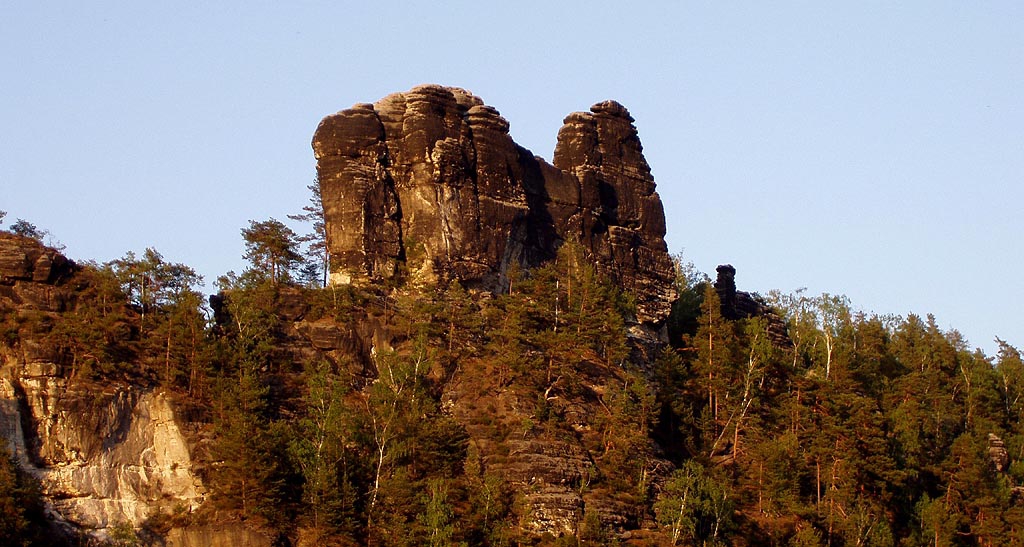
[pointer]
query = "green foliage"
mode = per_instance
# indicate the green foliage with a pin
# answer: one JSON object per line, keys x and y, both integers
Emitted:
{"x": 695, "y": 506}
{"x": 151, "y": 282}
{"x": 864, "y": 430}
{"x": 25, "y": 228}
{"x": 98, "y": 335}
{"x": 316, "y": 251}
{"x": 562, "y": 316}
{"x": 254, "y": 474}
{"x": 690, "y": 286}
{"x": 134, "y": 320}
{"x": 325, "y": 450}
{"x": 272, "y": 248}
{"x": 438, "y": 516}
{"x": 22, "y": 520}
{"x": 172, "y": 324}
{"x": 807, "y": 536}
{"x": 123, "y": 534}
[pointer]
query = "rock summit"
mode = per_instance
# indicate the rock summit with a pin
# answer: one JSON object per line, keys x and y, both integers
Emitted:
{"x": 430, "y": 182}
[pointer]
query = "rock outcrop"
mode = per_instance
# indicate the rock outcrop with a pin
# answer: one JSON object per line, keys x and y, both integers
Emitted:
{"x": 429, "y": 181}
{"x": 103, "y": 458}
{"x": 104, "y": 454}
{"x": 742, "y": 305}
{"x": 29, "y": 273}
{"x": 998, "y": 453}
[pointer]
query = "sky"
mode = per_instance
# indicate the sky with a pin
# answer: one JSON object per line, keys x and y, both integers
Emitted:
{"x": 872, "y": 149}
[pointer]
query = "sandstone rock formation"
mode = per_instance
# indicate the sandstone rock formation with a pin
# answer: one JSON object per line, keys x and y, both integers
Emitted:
{"x": 431, "y": 181}
{"x": 104, "y": 454}
{"x": 28, "y": 273}
{"x": 998, "y": 453}
{"x": 741, "y": 305}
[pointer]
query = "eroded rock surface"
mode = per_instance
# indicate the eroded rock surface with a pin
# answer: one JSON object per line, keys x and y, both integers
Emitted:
{"x": 430, "y": 180}
{"x": 227, "y": 535}
{"x": 741, "y": 305}
{"x": 105, "y": 454}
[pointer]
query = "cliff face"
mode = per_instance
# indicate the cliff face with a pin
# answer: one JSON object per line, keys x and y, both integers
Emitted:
{"x": 104, "y": 454}
{"x": 431, "y": 180}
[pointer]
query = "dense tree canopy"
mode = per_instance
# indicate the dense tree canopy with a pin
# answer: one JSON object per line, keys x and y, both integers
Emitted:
{"x": 858, "y": 430}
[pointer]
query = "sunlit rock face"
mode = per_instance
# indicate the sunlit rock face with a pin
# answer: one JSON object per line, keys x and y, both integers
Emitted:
{"x": 429, "y": 181}
{"x": 105, "y": 454}
{"x": 103, "y": 458}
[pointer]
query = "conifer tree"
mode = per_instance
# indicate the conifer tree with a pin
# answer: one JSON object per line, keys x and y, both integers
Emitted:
{"x": 272, "y": 249}
{"x": 25, "y": 228}
{"x": 316, "y": 240}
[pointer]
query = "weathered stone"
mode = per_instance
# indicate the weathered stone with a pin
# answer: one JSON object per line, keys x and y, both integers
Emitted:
{"x": 23, "y": 258}
{"x": 997, "y": 453}
{"x": 38, "y": 296}
{"x": 103, "y": 454}
{"x": 741, "y": 305}
{"x": 550, "y": 473}
{"x": 323, "y": 335}
{"x": 14, "y": 260}
{"x": 291, "y": 305}
{"x": 227, "y": 535}
{"x": 102, "y": 459}
{"x": 429, "y": 181}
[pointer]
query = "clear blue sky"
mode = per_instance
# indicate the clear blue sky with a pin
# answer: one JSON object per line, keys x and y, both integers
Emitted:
{"x": 874, "y": 149}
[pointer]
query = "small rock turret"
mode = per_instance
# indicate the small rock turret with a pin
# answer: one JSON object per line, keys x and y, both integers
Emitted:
{"x": 742, "y": 305}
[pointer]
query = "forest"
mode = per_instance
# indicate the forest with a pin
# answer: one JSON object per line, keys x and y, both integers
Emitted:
{"x": 850, "y": 430}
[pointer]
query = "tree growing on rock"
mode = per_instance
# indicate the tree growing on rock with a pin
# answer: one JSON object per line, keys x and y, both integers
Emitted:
{"x": 25, "y": 228}
{"x": 151, "y": 282}
{"x": 316, "y": 239}
{"x": 272, "y": 248}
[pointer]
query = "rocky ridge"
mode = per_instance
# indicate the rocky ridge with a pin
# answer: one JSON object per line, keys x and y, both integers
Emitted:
{"x": 429, "y": 181}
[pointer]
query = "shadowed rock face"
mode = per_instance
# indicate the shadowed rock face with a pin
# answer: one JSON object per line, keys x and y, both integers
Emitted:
{"x": 429, "y": 180}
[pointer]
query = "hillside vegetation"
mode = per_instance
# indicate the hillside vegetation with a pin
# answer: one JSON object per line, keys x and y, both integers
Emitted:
{"x": 411, "y": 414}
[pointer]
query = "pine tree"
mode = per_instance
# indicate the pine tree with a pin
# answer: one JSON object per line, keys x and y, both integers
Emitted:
{"x": 272, "y": 249}
{"x": 316, "y": 240}
{"x": 715, "y": 348}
